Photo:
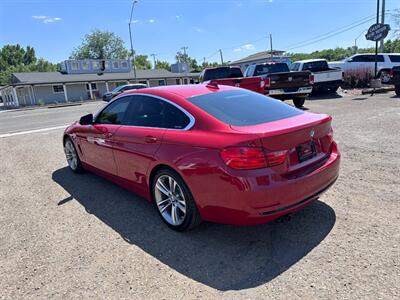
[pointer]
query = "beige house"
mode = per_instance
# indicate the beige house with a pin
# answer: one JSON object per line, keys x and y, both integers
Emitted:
{"x": 34, "y": 88}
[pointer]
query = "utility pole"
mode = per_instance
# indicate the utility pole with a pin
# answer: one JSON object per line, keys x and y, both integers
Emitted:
{"x": 376, "y": 43}
{"x": 130, "y": 37}
{"x": 270, "y": 44}
{"x": 381, "y": 49}
{"x": 222, "y": 58}
{"x": 184, "y": 48}
{"x": 154, "y": 59}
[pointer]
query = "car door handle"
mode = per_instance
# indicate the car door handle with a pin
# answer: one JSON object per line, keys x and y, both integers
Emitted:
{"x": 150, "y": 139}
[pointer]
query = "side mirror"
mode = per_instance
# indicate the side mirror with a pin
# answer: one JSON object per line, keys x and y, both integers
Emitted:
{"x": 350, "y": 60}
{"x": 86, "y": 119}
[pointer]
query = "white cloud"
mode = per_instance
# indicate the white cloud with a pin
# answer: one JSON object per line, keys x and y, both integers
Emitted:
{"x": 152, "y": 21}
{"x": 245, "y": 47}
{"x": 270, "y": 1}
{"x": 198, "y": 29}
{"x": 178, "y": 16}
{"x": 248, "y": 47}
{"x": 239, "y": 4}
{"x": 47, "y": 19}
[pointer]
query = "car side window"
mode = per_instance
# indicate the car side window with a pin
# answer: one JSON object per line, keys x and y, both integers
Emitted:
{"x": 147, "y": 111}
{"x": 295, "y": 67}
{"x": 114, "y": 113}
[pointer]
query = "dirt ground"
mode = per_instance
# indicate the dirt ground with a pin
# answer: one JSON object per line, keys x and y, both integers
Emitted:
{"x": 78, "y": 236}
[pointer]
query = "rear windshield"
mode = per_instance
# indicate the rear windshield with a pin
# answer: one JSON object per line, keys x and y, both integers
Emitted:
{"x": 244, "y": 108}
{"x": 219, "y": 73}
{"x": 271, "y": 68}
{"x": 316, "y": 66}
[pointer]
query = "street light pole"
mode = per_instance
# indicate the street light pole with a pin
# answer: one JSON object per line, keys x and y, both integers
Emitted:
{"x": 130, "y": 37}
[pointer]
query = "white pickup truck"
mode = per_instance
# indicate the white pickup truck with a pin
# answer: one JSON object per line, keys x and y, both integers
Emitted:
{"x": 326, "y": 79}
{"x": 366, "y": 63}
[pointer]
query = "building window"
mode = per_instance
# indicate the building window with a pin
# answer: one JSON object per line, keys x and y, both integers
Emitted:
{"x": 116, "y": 65}
{"x": 124, "y": 64}
{"x": 177, "y": 81}
{"x": 94, "y": 86}
{"x": 185, "y": 81}
{"x": 74, "y": 65}
{"x": 57, "y": 89}
{"x": 85, "y": 65}
{"x": 143, "y": 82}
{"x": 161, "y": 82}
{"x": 95, "y": 65}
{"x": 107, "y": 65}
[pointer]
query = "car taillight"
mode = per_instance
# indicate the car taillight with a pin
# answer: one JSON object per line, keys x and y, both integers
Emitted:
{"x": 391, "y": 73}
{"x": 311, "y": 79}
{"x": 248, "y": 158}
{"x": 267, "y": 82}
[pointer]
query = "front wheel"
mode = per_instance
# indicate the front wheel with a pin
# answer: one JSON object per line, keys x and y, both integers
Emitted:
{"x": 174, "y": 201}
{"x": 299, "y": 101}
{"x": 72, "y": 156}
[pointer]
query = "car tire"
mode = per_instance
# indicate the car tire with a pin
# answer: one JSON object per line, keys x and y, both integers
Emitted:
{"x": 384, "y": 75}
{"x": 299, "y": 101}
{"x": 397, "y": 90}
{"x": 72, "y": 156}
{"x": 333, "y": 90}
{"x": 174, "y": 201}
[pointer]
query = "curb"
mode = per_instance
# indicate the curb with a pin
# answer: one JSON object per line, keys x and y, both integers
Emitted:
{"x": 47, "y": 106}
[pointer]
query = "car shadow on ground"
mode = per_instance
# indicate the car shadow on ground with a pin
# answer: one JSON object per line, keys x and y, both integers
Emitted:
{"x": 323, "y": 96}
{"x": 220, "y": 256}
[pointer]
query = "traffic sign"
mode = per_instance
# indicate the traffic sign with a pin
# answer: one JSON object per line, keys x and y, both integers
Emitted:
{"x": 377, "y": 32}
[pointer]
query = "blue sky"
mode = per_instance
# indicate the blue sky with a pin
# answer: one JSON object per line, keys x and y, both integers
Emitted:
{"x": 238, "y": 27}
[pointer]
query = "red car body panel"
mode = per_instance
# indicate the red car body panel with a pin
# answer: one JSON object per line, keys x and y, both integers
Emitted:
{"x": 129, "y": 155}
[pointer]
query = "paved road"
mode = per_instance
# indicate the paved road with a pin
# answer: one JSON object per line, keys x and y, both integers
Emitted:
{"x": 78, "y": 236}
{"x": 25, "y": 120}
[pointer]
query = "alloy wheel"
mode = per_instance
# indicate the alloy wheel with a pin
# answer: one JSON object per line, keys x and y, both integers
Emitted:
{"x": 71, "y": 155}
{"x": 170, "y": 200}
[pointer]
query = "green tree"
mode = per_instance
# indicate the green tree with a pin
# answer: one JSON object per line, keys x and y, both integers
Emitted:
{"x": 11, "y": 55}
{"x": 160, "y": 64}
{"x": 142, "y": 62}
{"x": 100, "y": 45}
{"x": 14, "y": 58}
{"x": 185, "y": 58}
{"x": 29, "y": 56}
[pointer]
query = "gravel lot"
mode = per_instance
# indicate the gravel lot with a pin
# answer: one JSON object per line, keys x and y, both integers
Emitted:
{"x": 78, "y": 236}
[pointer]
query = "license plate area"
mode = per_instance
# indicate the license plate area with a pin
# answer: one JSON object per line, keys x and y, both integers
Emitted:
{"x": 306, "y": 151}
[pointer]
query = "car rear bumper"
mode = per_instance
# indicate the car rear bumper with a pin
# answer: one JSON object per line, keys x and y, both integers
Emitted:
{"x": 282, "y": 94}
{"x": 263, "y": 198}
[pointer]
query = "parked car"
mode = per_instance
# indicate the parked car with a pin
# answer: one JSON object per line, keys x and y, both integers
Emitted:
{"x": 233, "y": 76}
{"x": 366, "y": 63}
{"x": 122, "y": 88}
{"x": 264, "y": 79}
{"x": 395, "y": 77}
{"x": 203, "y": 152}
{"x": 281, "y": 83}
{"x": 326, "y": 79}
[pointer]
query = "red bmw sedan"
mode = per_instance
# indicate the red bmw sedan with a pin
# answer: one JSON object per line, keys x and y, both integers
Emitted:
{"x": 208, "y": 152}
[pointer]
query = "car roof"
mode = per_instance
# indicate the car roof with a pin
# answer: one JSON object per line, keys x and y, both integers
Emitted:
{"x": 185, "y": 91}
{"x": 309, "y": 60}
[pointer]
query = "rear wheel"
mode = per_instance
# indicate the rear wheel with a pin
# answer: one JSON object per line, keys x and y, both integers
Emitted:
{"x": 72, "y": 156}
{"x": 397, "y": 90}
{"x": 385, "y": 76}
{"x": 299, "y": 101}
{"x": 174, "y": 201}
{"x": 333, "y": 89}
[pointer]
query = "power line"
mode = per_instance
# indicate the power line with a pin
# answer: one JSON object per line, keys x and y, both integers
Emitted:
{"x": 329, "y": 36}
